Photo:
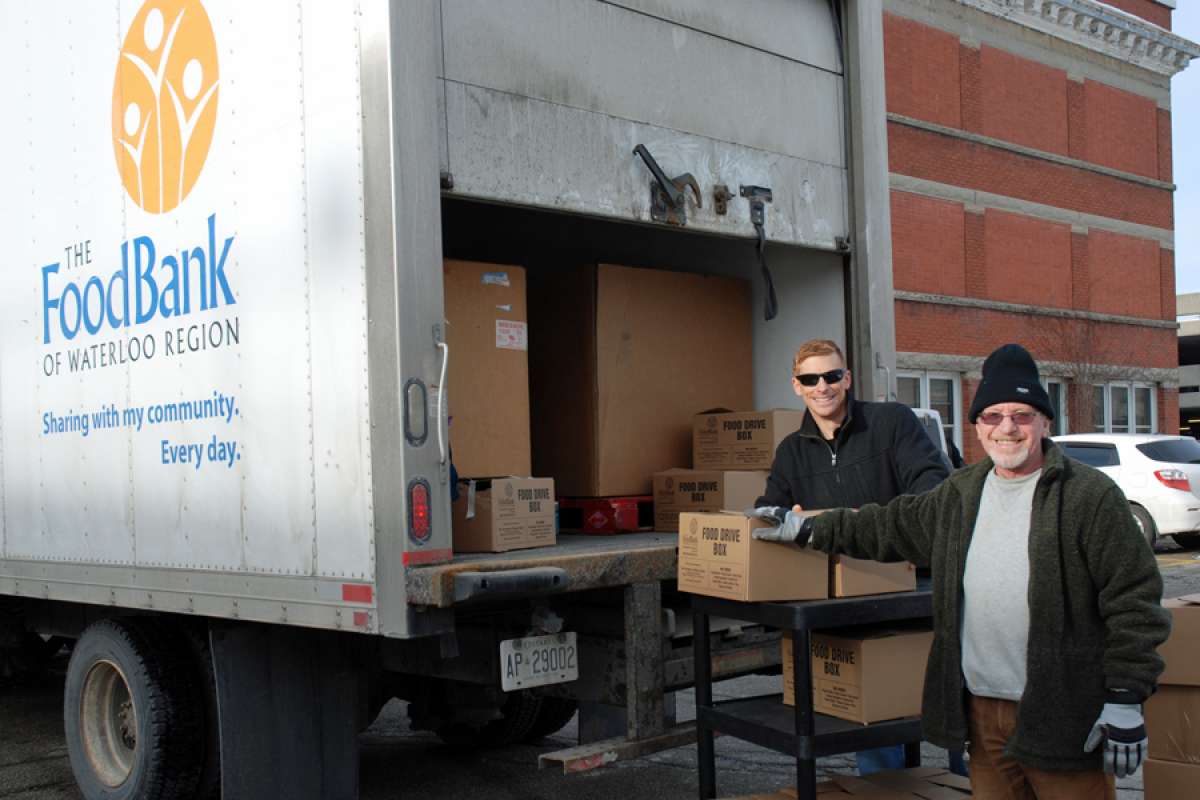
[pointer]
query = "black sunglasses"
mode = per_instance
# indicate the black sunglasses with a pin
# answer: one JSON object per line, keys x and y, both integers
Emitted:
{"x": 812, "y": 378}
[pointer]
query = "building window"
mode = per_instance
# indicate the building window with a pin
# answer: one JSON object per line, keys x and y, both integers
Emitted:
{"x": 941, "y": 391}
{"x": 1143, "y": 409}
{"x": 1118, "y": 398}
{"x": 1057, "y": 389}
{"x": 1124, "y": 408}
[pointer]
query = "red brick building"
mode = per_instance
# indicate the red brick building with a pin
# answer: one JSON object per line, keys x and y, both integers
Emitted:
{"x": 1029, "y": 146}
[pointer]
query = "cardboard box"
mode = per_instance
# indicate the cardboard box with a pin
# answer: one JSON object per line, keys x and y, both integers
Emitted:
{"x": 719, "y": 557}
{"x": 741, "y": 439}
{"x": 620, "y": 361}
{"x": 1182, "y": 650}
{"x": 487, "y": 378}
{"x": 918, "y": 783}
{"x": 1170, "y": 780}
{"x": 865, "y": 674}
{"x": 854, "y": 577}
{"x": 1173, "y": 724}
{"x": 507, "y": 514}
{"x": 679, "y": 490}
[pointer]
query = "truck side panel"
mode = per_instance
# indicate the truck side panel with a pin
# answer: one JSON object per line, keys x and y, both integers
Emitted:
{"x": 565, "y": 90}
{"x": 183, "y": 362}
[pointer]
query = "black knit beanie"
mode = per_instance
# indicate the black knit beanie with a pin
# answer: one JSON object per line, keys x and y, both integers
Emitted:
{"x": 1010, "y": 376}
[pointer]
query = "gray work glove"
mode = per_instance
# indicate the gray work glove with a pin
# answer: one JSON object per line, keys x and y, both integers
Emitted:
{"x": 1123, "y": 730}
{"x": 789, "y": 527}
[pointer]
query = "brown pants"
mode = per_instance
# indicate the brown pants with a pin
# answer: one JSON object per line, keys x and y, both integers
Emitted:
{"x": 995, "y": 776}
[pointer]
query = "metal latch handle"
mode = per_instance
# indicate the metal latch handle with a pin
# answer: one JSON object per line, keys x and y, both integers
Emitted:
{"x": 668, "y": 196}
{"x": 441, "y": 409}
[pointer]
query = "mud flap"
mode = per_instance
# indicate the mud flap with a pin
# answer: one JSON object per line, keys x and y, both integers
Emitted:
{"x": 288, "y": 702}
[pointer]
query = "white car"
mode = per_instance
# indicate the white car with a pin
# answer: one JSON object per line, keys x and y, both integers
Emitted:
{"x": 1159, "y": 474}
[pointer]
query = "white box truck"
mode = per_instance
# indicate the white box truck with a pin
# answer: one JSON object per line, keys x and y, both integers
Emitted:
{"x": 224, "y": 467}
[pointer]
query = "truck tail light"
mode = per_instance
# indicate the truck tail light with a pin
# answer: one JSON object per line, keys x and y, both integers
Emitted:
{"x": 1174, "y": 479}
{"x": 419, "y": 511}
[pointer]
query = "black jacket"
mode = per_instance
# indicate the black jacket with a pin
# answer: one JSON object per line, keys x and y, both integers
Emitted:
{"x": 881, "y": 451}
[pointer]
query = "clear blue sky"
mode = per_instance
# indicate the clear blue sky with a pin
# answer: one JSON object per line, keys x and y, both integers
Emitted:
{"x": 1185, "y": 129}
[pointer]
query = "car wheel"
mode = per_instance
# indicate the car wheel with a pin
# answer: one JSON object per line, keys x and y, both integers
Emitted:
{"x": 1145, "y": 524}
{"x": 133, "y": 714}
{"x": 1189, "y": 541}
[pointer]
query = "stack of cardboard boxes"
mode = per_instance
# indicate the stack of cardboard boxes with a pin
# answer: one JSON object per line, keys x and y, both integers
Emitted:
{"x": 731, "y": 453}
{"x": 859, "y": 675}
{"x": 1173, "y": 714}
{"x": 488, "y": 399}
{"x": 593, "y": 385}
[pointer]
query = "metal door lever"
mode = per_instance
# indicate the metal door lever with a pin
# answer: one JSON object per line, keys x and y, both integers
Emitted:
{"x": 668, "y": 196}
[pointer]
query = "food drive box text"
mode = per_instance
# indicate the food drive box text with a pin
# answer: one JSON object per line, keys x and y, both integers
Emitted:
{"x": 718, "y": 556}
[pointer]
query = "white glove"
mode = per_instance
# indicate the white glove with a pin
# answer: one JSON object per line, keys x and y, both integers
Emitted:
{"x": 1123, "y": 730}
{"x": 790, "y": 527}
{"x": 772, "y": 514}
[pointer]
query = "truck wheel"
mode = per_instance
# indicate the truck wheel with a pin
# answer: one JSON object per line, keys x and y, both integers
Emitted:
{"x": 552, "y": 716}
{"x": 518, "y": 715}
{"x": 133, "y": 713}
{"x": 1145, "y": 523}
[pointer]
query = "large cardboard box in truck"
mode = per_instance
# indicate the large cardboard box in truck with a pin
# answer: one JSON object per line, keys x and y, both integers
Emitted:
{"x": 487, "y": 382}
{"x": 621, "y": 360}
{"x": 225, "y": 363}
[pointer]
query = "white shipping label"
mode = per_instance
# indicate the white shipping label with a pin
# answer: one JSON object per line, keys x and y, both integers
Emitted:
{"x": 512, "y": 335}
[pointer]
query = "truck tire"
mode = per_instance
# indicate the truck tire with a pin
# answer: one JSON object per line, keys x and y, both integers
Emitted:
{"x": 552, "y": 716}
{"x": 133, "y": 713}
{"x": 518, "y": 715}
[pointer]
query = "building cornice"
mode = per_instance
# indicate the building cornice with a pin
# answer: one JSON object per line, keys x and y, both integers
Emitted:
{"x": 1023, "y": 308}
{"x": 1031, "y": 152}
{"x": 1098, "y": 27}
{"x": 971, "y": 368}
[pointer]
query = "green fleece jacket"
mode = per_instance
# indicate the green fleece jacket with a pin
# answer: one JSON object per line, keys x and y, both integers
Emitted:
{"x": 1095, "y": 616}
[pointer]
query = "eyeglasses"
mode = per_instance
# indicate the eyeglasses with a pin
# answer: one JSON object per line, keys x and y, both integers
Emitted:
{"x": 812, "y": 378}
{"x": 995, "y": 418}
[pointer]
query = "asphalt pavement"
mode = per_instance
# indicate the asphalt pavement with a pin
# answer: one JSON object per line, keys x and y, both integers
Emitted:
{"x": 398, "y": 763}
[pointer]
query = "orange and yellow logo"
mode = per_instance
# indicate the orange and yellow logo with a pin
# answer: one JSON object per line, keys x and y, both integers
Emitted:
{"x": 165, "y": 102}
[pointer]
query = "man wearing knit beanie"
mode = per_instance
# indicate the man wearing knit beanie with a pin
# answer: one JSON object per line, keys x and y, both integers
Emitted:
{"x": 1046, "y": 601}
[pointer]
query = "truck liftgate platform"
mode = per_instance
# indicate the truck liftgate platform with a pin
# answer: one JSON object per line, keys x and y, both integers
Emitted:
{"x": 634, "y": 654}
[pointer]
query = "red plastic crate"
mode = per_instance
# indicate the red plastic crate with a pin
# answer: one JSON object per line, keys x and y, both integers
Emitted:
{"x": 606, "y": 515}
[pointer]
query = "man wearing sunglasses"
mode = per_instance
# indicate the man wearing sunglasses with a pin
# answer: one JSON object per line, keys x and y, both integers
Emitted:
{"x": 848, "y": 453}
{"x": 1046, "y": 601}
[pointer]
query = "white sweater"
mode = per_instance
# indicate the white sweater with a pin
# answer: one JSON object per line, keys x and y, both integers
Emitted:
{"x": 996, "y": 589}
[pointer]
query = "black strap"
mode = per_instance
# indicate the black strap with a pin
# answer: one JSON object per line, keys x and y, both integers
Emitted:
{"x": 770, "y": 304}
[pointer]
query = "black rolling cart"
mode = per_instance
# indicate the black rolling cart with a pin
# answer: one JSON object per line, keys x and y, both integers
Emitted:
{"x": 798, "y": 730}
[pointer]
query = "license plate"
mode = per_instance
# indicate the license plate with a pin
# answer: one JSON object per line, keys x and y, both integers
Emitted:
{"x": 538, "y": 661}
